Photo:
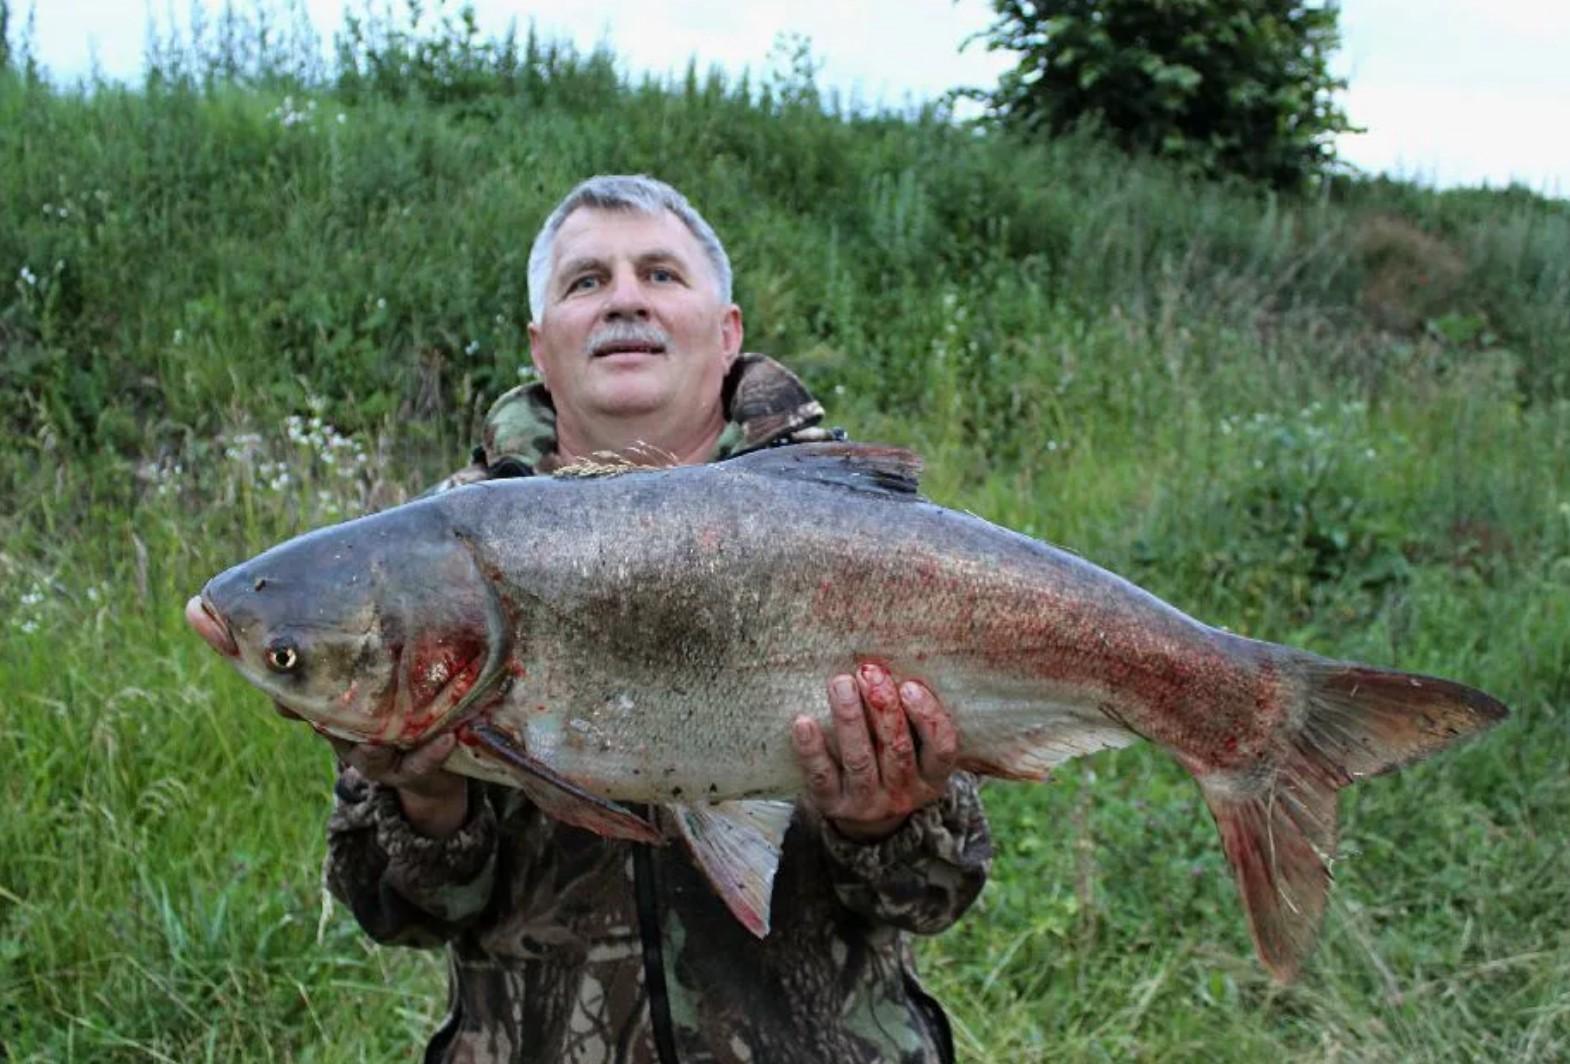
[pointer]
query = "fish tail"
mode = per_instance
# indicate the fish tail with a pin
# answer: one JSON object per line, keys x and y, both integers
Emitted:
{"x": 1278, "y": 825}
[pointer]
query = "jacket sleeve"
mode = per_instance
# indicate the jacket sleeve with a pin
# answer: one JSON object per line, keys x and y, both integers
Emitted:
{"x": 924, "y": 876}
{"x": 405, "y": 888}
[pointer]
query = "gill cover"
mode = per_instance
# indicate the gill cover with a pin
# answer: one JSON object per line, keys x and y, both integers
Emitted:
{"x": 381, "y": 629}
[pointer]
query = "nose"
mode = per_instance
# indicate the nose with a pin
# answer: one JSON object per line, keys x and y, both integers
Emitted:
{"x": 210, "y": 627}
{"x": 626, "y": 298}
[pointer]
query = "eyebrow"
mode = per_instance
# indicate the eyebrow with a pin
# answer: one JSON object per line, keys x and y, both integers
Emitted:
{"x": 574, "y": 267}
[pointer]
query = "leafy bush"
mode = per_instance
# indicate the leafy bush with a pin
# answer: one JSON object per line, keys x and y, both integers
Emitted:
{"x": 1230, "y": 86}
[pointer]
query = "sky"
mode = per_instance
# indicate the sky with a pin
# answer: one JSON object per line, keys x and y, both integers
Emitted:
{"x": 1450, "y": 92}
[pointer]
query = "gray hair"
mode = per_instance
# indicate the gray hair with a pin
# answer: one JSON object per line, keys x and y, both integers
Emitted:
{"x": 621, "y": 192}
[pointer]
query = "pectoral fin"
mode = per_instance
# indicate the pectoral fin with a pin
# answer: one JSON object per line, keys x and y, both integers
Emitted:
{"x": 556, "y": 795}
{"x": 737, "y": 844}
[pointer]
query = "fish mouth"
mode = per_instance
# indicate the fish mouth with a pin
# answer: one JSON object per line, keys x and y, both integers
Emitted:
{"x": 201, "y": 616}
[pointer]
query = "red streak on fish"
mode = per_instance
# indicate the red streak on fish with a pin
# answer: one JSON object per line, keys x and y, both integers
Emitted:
{"x": 440, "y": 673}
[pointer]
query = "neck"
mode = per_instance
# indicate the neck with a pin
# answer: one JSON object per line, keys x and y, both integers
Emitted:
{"x": 654, "y": 440}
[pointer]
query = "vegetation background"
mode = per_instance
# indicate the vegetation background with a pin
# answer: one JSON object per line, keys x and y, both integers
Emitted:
{"x": 263, "y": 290}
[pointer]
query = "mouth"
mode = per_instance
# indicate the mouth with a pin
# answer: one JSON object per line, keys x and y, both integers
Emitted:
{"x": 210, "y": 626}
{"x": 612, "y": 350}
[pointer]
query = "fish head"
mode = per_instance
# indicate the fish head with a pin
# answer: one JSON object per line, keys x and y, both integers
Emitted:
{"x": 375, "y": 630}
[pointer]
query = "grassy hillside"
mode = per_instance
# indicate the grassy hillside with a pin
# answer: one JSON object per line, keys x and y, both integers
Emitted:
{"x": 262, "y": 291}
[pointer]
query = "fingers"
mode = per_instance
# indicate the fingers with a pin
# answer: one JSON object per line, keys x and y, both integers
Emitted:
{"x": 934, "y": 730}
{"x": 372, "y": 762}
{"x": 895, "y": 748}
{"x": 887, "y": 750}
{"x": 426, "y": 759}
{"x": 823, "y": 775}
{"x": 858, "y": 759}
{"x": 414, "y": 769}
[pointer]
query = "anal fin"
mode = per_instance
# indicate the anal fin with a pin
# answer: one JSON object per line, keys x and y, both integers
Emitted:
{"x": 555, "y": 794}
{"x": 737, "y": 845}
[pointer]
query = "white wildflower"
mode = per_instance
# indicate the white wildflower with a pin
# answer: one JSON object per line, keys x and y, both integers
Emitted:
{"x": 473, "y": 346}
{"x": 28, "y": 276}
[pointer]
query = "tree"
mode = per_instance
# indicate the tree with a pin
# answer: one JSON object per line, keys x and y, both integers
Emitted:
{"x": 1230, "y": 86}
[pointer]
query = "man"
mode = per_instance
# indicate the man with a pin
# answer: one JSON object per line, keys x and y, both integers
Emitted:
{"x": 564, "y": 946}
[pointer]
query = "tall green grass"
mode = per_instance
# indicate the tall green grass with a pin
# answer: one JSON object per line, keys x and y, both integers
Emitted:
{"x": 1342, "y": 423}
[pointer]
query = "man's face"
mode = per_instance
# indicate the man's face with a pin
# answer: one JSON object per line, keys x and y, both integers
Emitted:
{"x": 633, "y": 323}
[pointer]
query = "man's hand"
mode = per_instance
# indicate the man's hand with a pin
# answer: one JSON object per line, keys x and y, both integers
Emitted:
{"x": 895, "y": 750}
{"x": 435, "y": 801}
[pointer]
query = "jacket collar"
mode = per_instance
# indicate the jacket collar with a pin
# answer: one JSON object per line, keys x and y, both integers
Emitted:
{"x": 764, "y": 402}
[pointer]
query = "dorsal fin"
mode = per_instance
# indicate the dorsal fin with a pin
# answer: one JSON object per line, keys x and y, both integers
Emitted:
{"x": 869, "y": 467}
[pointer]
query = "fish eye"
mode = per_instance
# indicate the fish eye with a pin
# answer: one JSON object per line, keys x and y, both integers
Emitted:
{"x": 282, "y": 656}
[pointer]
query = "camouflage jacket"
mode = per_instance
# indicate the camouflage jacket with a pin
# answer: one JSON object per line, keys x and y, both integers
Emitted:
{"x": 565, "y": 946}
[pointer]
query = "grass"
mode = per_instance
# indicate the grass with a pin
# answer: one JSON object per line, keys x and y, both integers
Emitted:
{"x": 1342, "y": 423}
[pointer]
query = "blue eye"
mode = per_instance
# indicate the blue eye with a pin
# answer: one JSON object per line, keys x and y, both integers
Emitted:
{"x": 582, "y": 284}
{"x": 661, "y": 275}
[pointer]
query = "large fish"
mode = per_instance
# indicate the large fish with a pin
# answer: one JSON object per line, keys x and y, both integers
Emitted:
{"x": 649, "y": 637}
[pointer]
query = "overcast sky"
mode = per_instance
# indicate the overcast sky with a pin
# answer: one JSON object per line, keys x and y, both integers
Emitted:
{"x": 1450, "y": 91}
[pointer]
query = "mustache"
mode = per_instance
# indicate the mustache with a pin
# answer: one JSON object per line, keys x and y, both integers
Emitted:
{"x": 624, "y": 334}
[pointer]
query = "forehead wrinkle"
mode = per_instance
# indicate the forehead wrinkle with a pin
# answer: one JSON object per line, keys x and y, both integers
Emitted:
{"x": 659, "y": 255}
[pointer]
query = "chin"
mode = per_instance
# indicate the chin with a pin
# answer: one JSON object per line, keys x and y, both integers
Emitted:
{"x": 632, "y": 398}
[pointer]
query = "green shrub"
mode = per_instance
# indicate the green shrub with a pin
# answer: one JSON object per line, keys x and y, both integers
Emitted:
{"x": 1237, "y": 87}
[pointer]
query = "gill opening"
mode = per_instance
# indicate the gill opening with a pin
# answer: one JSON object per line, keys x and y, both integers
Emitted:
{"x": 498, "y": 645}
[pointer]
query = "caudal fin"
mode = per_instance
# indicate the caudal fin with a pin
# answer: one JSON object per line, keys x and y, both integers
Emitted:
{"x": 1279, "y": 832}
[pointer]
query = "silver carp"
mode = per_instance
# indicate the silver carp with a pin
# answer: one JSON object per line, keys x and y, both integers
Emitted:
{"x": 649, "y": 637}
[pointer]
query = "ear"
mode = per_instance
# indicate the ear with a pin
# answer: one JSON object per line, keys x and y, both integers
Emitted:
{"x": 535, "y": 348}
{"x": 731, "y": 333}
